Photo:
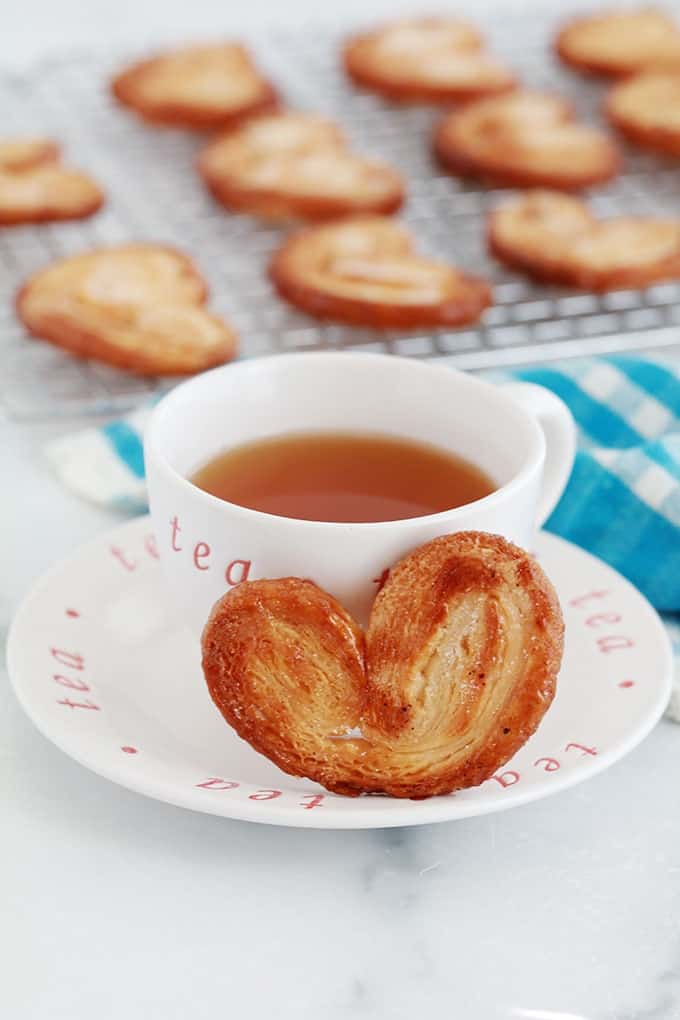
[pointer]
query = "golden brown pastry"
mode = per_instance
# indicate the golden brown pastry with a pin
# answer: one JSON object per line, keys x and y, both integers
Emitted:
{"x": 429, "y": 60}
{"x": 555, "y": 237}
{"x": 455, "y": 672}
{"x": 620, "y": 42}
{"x": 525, "y": 139}
{"x": 646, "y": 109}
{"x": 139, "y": 307}
{"x": 36, "y": 188}
{"x": 365, "y": 271}
{"x": 296, "y": 166}
{"x": 198, "y": 87}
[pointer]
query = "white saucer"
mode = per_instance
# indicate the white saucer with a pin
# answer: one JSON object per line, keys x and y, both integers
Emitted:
{"x": 106, "y": 671}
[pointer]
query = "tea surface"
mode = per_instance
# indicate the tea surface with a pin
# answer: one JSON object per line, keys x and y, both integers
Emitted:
{"x": 343, "y": 477}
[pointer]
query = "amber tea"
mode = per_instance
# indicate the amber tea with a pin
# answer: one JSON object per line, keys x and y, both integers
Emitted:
{"x": 343, "y": 477}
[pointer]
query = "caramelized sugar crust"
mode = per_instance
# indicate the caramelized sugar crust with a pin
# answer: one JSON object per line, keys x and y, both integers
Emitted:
{"x": 199, "y": 87}
{"x": 455, "y": 672}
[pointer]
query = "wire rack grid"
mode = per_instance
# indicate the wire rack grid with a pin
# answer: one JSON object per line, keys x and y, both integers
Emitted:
{"x": 154, "y": 194}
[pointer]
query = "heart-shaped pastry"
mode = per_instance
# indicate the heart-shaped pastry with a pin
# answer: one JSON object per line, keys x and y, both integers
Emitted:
{"x": 138, "y": 307}
{"x": 198, "y": 87}
{"x": 555, "y": 237}
{"x": 292, "y": 165}
{"x": 620, "y": 42}
{"x": 646, "y": 109}
{"x": 365, "y": 271}
{"x": 525, "y": 139}
{"x": 455, "y": 672}
{"x": 17, "y": 154}
{"x": 36, "y": 188}
{"x": 430, "y": 60}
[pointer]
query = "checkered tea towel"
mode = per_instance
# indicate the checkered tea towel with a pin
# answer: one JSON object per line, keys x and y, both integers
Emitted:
{"x": 622, "y": 502}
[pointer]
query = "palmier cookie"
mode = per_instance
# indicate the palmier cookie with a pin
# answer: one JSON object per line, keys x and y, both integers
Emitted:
{"x": 296, "y": 166}
{"x": 139, "y": 307}
{"x": 198, "y": 88}
{"x": 455, "y": 672}
{"x": 18, "y": 154}
{"x": 364, "y": 271}
{"x": 36, "y": 188}
{"x": 621, "y": 42}
{"x": 554, "y": 237}
{"x": 525, "y": 139}
{"x": 646, "y": 109}
{"x": 429, "y": 60}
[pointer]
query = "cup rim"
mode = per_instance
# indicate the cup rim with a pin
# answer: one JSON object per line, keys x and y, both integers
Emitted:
{"x": 533, "y": 459}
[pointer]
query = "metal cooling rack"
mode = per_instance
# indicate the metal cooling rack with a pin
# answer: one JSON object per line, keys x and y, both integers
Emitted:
{"x": 154, "y": 194}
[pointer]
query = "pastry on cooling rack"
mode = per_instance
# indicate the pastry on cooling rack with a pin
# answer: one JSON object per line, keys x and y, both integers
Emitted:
{"x": 365, "y": 271}
{"x": 36, "y": 188}
{"x": 646, "y": 109}
{"x": 199, "y": 87}
{"x": 139, "y": 307}
{"x": 296, "y": 166}
{"x": 429, "y": 59}
{"x": 620, "y": 42}
{"x": 17, "y": 154}
{"x": 455, "y": 672}
{"x": 554, "y": 237}
{"x": 525, "y": 139}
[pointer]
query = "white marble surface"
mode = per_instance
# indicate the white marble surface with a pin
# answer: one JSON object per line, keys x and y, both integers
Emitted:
{"x": 117, "y": 906}
{"x": 114, "y": 906}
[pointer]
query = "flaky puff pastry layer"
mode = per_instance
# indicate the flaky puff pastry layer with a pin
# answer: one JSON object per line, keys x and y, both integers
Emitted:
{"x": 36, "y": 188}
{"x": 138, "y": 307}
{"x": 292, "y": 165}
{"x": 619, "y": 42}
{"x": 525, "y": 139}
{"x": 429, "y": 60}
{"x": 198, "y": 88}
{"x": 455, "y": 672}
{"x": 555, "y": 237}
{"x": 365, "y": 271}
{"x": 646, "y": 109}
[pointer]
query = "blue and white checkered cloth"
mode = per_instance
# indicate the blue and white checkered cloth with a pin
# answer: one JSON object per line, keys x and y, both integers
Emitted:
{"x": 623, "y": 499}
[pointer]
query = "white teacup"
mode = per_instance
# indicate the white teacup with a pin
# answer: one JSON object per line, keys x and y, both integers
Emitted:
{"x": 520, "y": 434}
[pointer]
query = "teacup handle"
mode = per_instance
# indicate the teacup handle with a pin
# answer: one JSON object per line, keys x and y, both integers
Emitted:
{"x": 554, "y": 417}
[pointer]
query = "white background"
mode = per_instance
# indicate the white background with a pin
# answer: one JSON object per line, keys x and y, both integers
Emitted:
{"x": 32, "y": 26}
